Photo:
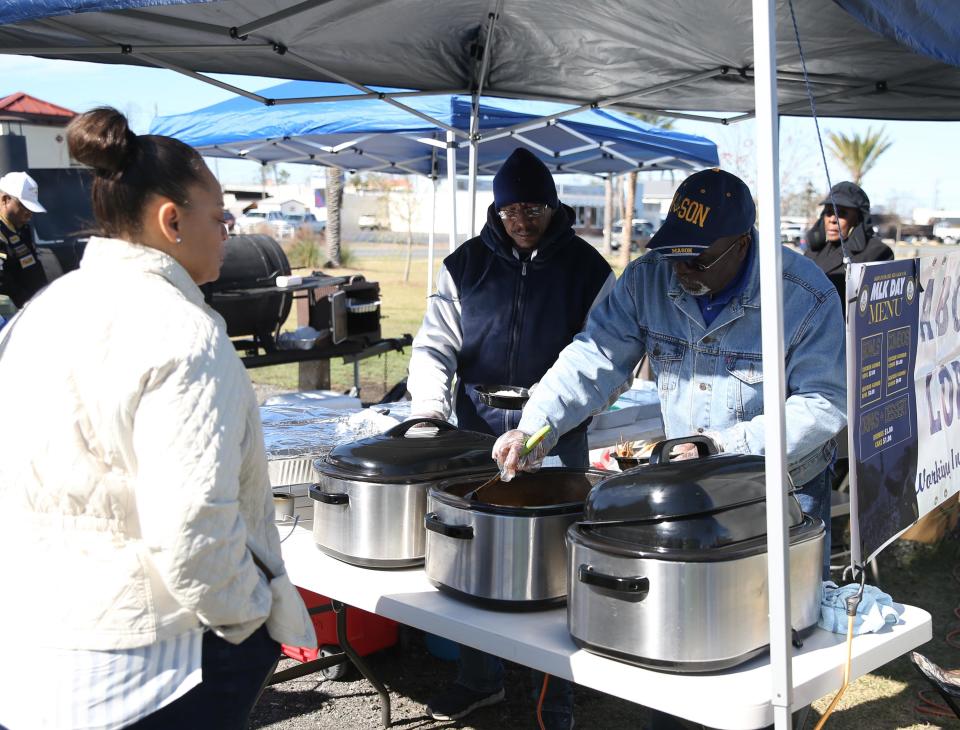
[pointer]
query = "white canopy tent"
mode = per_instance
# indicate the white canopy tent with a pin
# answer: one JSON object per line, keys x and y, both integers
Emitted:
{"x": 665, "y": 56}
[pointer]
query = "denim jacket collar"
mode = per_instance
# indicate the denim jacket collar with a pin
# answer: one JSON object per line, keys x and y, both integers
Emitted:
{"x": 749, "y": 295}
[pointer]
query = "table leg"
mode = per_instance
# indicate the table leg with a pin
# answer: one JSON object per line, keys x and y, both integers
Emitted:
{"x": 341, "y": 611}
{"x": 302, "y": 670}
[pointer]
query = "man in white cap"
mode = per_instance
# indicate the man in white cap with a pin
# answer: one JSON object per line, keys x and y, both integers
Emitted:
{"x": 21, "y": 274}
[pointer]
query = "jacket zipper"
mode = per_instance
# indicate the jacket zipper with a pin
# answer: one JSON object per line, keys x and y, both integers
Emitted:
{"x": 518, "y": 319}
{"x": 515, "y": 336}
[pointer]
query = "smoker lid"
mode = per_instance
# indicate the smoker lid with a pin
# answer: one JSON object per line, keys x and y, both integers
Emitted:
{"x": 404, "y": 456}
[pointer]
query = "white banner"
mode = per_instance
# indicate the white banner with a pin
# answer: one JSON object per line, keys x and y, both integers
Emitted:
{"x": 937, "y": 381}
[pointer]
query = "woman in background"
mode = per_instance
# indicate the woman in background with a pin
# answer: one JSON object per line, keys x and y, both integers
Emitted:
{"x": 145, "y": 583}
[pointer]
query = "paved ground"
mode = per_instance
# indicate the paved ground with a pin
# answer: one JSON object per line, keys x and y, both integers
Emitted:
{"x": 413, "y": 675}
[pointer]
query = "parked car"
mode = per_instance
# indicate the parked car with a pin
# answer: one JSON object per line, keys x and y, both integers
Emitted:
{"x": 368, "y": 222}
{"x": 791, "y": 232}
{"x": 641, "y": 233}
{"x": 307, "y": 222}
{"x": 270, "y": 222}
{"x": 947, "y": 230}
{"x": 250, "y": 221}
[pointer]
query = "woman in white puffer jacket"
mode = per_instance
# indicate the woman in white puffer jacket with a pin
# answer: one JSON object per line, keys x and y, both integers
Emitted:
{"x": 143, "y": 568}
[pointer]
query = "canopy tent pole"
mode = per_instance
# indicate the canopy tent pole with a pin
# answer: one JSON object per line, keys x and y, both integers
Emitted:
{"x": 481, "y": 77}
{"x": 472, "y": 172}
{"x": 431, "y": 243}
{"x": 244, "y": 47}
{"x": 626, "y": 106}
{"x": 774, "y": 389}
{"x": 355, "y": 97}
{"x": 128, "y": 50}
{"x": 452, "y": 179}
{"x": 610, "y": 101}
{"x": 848, "y": 93}
{"x": 434, "y": 182}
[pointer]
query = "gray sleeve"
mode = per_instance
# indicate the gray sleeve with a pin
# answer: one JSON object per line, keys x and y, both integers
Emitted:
{"x": 436, "y": 348}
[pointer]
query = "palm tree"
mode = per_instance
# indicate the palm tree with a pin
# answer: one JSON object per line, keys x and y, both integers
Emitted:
{"x": 630, "y": 193}
{"x": 654, "y": 119}
{"x": 334, "y": 195}
{"x": 858, "y": 154}
{"x": 607, "y": 215}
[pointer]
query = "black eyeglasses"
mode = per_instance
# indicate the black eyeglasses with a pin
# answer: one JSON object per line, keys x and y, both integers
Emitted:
{"x": 697, "y": 266}
{"x": 530, "y": 212}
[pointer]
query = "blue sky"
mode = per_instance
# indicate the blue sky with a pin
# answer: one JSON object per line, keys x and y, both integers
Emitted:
{"x": 921, "y": 169}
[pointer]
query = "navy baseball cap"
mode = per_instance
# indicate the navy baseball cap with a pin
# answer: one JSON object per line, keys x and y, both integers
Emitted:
{"x": 708, "y": 205}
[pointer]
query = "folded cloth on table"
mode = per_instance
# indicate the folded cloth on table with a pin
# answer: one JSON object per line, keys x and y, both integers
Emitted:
{"x": 875, "y": 611}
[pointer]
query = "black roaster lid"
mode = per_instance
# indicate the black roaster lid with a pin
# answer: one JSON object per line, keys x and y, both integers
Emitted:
{"x": 693, "y": 503}
{"x": 400, "y": 456}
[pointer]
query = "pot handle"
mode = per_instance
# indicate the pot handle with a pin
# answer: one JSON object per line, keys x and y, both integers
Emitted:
{"x": 433, "y": 523}
{"x": 328, "y": 497}
{"x": 638, "y": 587}
{"x": 705, "y": 447}
{"x": 400, "y": 430}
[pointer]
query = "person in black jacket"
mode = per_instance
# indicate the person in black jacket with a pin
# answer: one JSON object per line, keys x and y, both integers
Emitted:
{"x": 21, "y": 274}
{"x": 507, "y": 302}
{"x": 851, "y": 222}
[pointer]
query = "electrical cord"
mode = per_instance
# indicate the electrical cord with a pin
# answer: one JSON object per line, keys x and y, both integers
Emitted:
{"x": 953, "y": 637}
{"x": 296, "y": 521}
{"x": 543, "y": 693}
{"x": 931, "y": 706}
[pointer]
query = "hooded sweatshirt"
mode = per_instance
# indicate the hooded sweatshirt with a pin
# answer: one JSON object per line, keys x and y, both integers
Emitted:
{"x": 862, "y": 245}
{"x": 501, "y": 317}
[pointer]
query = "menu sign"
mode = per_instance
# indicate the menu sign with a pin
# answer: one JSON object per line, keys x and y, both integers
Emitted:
{"x": 882, "y": 412}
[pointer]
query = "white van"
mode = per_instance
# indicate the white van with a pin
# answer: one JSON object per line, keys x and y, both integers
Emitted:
{"x": 947, "y": 230}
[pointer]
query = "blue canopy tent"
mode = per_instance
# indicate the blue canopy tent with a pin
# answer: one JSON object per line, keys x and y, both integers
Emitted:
{"x": 365, "y": 134}
{"x": 362, "y": 133}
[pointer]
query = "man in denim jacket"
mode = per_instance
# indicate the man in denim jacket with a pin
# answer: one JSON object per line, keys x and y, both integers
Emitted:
{"x": 693, "y": 305}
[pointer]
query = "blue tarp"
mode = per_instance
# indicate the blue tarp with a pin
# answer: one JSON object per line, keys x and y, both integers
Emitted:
{"x": 930, "y": 27}
{"x": 17, "y": 11}
{"x": 385, "y": 137}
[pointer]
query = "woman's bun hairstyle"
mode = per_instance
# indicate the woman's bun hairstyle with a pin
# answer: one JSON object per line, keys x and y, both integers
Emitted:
{"x": 130, "y": 169}
{"x": 102, "y": 139}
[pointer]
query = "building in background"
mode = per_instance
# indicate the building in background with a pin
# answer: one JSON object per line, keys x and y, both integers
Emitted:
{"x": 41, "y": 125}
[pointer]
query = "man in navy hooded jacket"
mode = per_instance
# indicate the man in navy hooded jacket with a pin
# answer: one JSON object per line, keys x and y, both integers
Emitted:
{"x": 507, "y": 303}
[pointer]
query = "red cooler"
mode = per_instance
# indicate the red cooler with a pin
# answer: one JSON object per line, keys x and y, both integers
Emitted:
{"x": 366, "y": 632}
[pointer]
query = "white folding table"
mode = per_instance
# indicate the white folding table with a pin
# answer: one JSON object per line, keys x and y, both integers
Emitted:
{"x": 738, "y": 699}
